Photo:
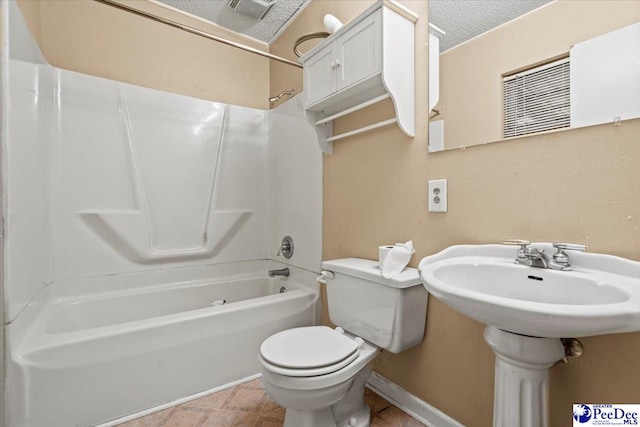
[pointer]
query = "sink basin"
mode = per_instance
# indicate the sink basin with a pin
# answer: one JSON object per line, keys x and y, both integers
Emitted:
{"x": 601, "y": 295}
{"x": 526, "y": 309}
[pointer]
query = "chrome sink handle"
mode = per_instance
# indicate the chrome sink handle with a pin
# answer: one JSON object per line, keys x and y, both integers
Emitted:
{"x": 514, "y": 242}
{"x": 561, "y": 258}
{"x": 569, "y": 246}
{"x": 521, "y": 254}
{"x": 529, "y": 256}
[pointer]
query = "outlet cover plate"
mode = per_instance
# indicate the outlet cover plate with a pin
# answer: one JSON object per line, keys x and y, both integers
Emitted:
{"x": 437, "y": 195}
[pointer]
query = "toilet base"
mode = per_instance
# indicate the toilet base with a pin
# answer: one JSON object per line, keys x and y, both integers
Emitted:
{"x": 296, "y": 418}
{"x": 362, "y": 418}
{"x": 350, "y": 411}
{"x": 325, "y": 418}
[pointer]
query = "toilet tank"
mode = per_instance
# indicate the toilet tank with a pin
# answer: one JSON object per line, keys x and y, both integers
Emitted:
{"x": 390, "y": 313}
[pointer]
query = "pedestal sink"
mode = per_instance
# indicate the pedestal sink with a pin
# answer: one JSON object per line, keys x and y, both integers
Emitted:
{"x": 528, "y": 309}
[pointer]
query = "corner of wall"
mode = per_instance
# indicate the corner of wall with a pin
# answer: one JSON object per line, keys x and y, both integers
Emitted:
{"x": 4, "y": 86}
{"x": 26, "y": 31}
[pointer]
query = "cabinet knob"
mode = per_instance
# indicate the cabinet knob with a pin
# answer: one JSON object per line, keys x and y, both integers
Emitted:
{"x": 338, "y": 63}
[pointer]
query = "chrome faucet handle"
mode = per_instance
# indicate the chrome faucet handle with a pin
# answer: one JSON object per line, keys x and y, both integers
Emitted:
{"x": 569, "y": 247}
{"x": 286, "y": 247}
{"x": 560, "y": 257}
{"x": 517, "y": 242}
{"x": 521, "y": 254}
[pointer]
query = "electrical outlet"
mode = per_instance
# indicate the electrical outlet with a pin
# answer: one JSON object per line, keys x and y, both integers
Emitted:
{"x": 437, "y": 195}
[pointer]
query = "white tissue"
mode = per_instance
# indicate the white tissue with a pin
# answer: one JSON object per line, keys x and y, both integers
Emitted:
{"x": 395, "y": 259}
{"x": 383, "y": 251}
{"x": 331, "y": 23}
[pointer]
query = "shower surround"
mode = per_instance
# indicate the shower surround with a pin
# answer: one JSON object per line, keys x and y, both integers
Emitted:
{"x": 140, "y": 226}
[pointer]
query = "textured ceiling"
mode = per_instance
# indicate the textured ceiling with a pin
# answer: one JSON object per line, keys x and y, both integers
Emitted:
{"x": 465, "y": 19}
{"x": 460, "y": 19}
{"x": 219, "y": 12}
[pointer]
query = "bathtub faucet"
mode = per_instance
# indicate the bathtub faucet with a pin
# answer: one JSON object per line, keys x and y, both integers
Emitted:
{"x": 281, "y": 272}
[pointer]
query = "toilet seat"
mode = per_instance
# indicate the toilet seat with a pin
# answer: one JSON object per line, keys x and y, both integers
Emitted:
{"x": 308, "y": 351}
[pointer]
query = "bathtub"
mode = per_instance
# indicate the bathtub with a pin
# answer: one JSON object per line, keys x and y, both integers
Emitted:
{"x": 92, "y": 350}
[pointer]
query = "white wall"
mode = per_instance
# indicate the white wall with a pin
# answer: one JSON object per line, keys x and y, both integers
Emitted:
{"x": 4, "y": 87}
{"x": 107, "y": 178}
{"x": 123, "y": 179}
{"x": 140, "y": 177}
{"x": 295, "y": 186}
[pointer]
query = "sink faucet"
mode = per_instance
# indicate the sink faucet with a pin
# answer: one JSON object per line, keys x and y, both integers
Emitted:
{"x": 534, "y": 257}
{"x": 281, "y": 272}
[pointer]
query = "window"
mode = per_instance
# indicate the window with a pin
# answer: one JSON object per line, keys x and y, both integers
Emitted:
{"x": 537, "y": 99}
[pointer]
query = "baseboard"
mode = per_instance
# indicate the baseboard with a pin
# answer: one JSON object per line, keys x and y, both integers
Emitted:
{"x": 402, "y": 399}
{"x": 407, "y": 402}
{"x": 177, "y": 402}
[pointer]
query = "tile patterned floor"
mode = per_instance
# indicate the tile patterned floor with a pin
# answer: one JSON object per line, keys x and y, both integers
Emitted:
{"x": 248, "y": 405}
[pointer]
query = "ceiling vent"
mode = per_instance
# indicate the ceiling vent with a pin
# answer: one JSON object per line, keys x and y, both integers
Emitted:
{"x": 254, "y": 8}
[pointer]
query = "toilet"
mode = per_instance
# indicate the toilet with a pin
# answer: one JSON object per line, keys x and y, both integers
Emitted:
{"x": 317, "y": 373}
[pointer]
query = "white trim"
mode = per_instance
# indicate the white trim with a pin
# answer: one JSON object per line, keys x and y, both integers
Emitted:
{"x": 363, "y": 129}
{"x": 177, "y": 402}
{"x": 402, "y": 399}
{"x": 407, "y": 402}
{"x": 436, "y": 31}
{"x": 352, "y": 109}
{"x": 401, "y": 10}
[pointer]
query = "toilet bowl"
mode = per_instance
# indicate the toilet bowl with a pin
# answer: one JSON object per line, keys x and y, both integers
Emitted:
{"x": 317, "y": 373}
{"x": 312, "y": 370}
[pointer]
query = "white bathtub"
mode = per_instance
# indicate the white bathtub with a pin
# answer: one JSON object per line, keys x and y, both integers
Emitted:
{"x": 134, "y": 341}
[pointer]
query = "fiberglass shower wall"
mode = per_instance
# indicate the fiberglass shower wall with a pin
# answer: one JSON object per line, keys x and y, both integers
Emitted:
{"x": 107, "y": 178}
{"x": 162, "y": 178}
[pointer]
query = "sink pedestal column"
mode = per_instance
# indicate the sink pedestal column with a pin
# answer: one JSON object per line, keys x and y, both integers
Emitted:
{"x": 521, "y": 377}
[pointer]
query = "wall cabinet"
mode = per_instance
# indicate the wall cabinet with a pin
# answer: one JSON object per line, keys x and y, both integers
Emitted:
{"x": 366, "y": 61}
{"x": 351, "y": 58}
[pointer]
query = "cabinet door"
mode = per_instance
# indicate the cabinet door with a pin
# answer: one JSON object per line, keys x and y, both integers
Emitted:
{"x": 319, "y": 76}
{"x": 359, "y": 51}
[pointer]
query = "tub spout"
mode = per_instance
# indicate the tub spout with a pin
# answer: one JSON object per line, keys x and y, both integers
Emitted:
{"x": 281, "y": 272}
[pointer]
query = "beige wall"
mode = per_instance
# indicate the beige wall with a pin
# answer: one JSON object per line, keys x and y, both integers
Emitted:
{"x": 92, "y": 38}
{"x": 579, "y": 185}
{"x": 471, "y": 73}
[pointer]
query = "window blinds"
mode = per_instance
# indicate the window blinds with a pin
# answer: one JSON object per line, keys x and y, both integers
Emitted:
{"x": 537, "y": 100}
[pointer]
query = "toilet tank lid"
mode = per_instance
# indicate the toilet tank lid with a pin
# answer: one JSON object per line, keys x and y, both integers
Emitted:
{"x": 370, "y": 270}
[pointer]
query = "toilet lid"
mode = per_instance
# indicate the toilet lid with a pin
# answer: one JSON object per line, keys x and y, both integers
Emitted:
{"x": 308, "y": 348}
